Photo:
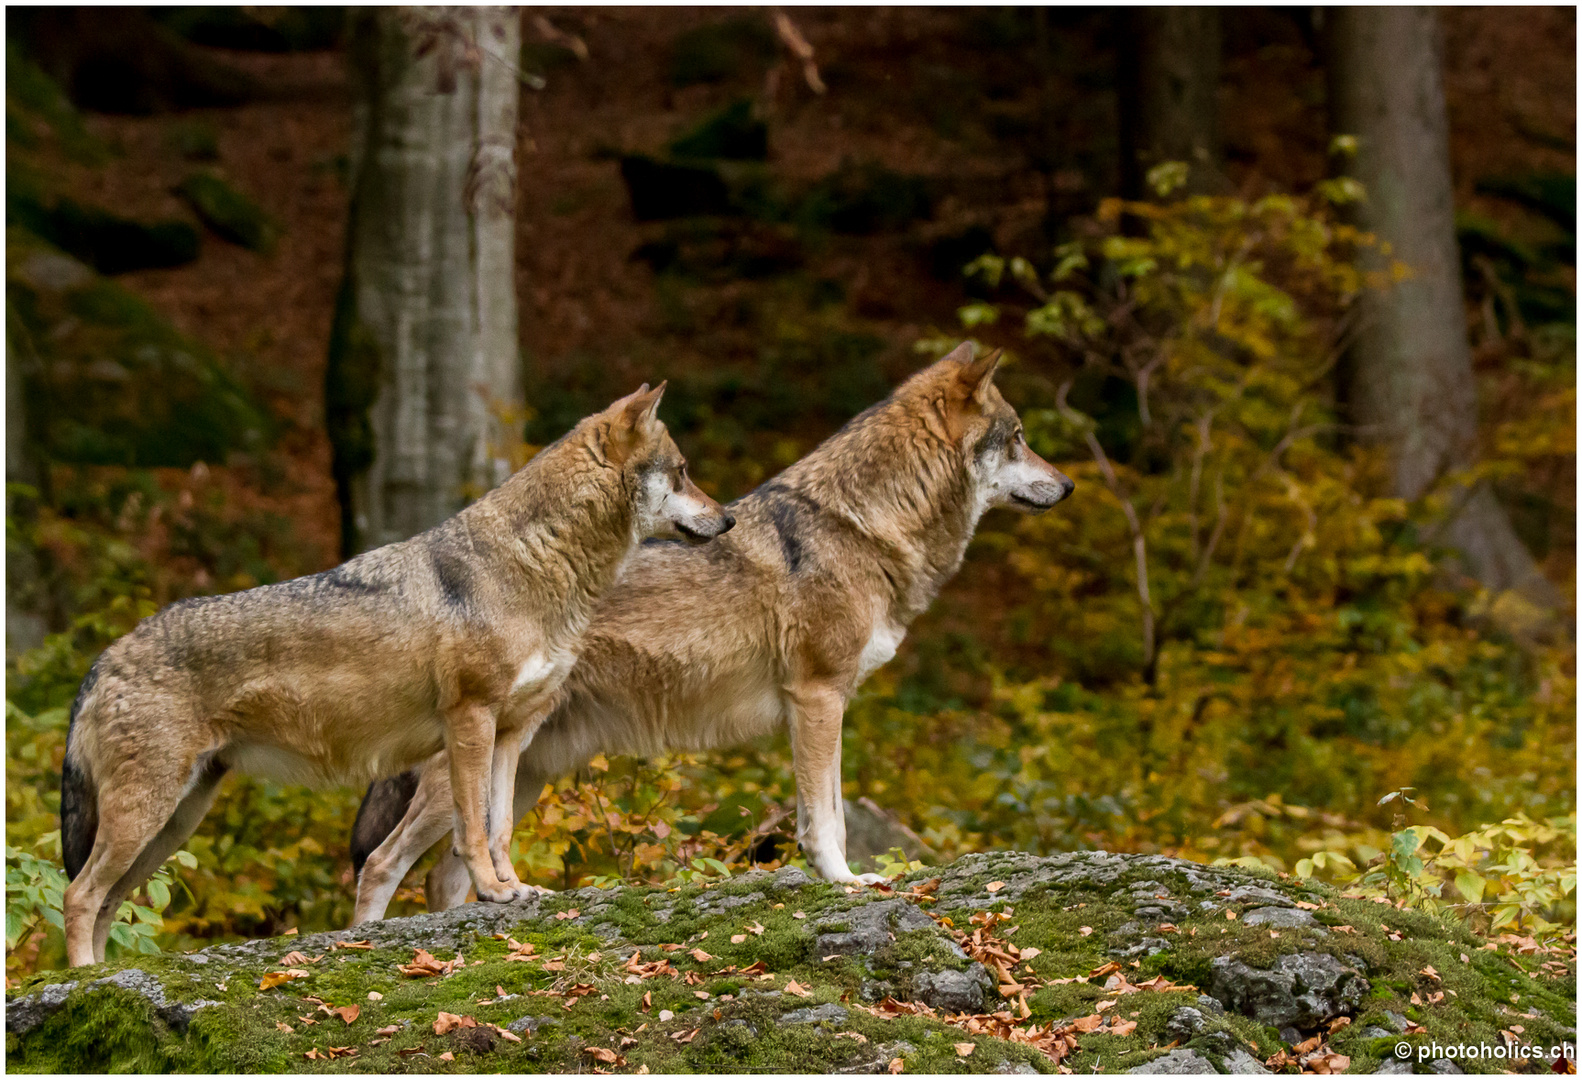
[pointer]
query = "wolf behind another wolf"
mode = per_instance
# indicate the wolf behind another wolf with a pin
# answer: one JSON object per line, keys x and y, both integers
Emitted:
{"x": 774, "y": 625}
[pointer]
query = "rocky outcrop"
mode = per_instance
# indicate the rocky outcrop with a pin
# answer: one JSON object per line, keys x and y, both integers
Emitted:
{"x": 1001, "y": 963}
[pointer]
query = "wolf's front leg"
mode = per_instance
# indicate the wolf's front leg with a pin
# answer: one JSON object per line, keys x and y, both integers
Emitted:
{"x": 815, "y": 749}
{"x": 502, "y": 822}
{"x": 470, "y": 739}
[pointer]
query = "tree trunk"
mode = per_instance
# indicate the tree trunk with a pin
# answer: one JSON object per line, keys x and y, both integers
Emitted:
{"x": 1409, "y": 383}
{"x": 424, "y": 359}
{"x": 1168, "y": 78}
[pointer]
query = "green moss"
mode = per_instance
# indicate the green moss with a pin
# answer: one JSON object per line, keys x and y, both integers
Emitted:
{"x": 230, "y": 214}
{"x": 737, "y": 1017}
{"x": 113, "y": 381}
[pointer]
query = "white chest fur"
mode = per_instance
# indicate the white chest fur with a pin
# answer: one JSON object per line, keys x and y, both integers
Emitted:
{"x": 882, "y": 643}
{"x": 543, "y": 671}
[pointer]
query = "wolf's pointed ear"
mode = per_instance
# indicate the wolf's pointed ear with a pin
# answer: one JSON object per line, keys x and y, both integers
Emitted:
{"x": 642, "y": 408}
{"x": 961, "y": 354}
{"x": 976, "y": 376}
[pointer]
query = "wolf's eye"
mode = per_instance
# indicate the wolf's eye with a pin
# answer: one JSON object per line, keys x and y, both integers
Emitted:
{"x": 1017, "y": 439}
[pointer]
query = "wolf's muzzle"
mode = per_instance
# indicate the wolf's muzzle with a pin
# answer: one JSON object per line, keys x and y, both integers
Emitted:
{"x": 698, "y": 536}
{"x": 1041, "y": 497}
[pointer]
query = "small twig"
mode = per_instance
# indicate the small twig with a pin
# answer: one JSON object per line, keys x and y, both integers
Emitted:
{"x": 794, "y": 41}
{"x": 556, "y": 36}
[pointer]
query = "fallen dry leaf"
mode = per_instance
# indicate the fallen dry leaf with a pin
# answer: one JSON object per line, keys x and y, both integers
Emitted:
{"x": 896, "y": 1065}
{"x": 1084, "y": 930}
{"x": 374, "y": 995}
{"x": 993, "y": 887}
{"x": 1230, "y": 915}
{"x": 737, "y": 939}
{"x": 572, "y": 914}
{"x": 390, "y": 1030}
{"x": 277, "y": 978}
{"x": 666, "y": 1015}
{"x": 447, "y": 1056}
{"x": 600, "y": 1053}
{"x": 792, "y": 987}
{"x": 1122, "y": 1027}
{"x": 965, "y": 1049}
{"x": 700, "y": 956}
{"x": 279, "y": 1026}
{"x": 351, "y": 945}
{"x": 447, "y": 1022}
{"x": 424, "y": 964}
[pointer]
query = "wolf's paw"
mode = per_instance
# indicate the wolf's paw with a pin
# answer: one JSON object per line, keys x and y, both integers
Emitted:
{"x": 502, "y": 893}
{"x": 871, "y": 879}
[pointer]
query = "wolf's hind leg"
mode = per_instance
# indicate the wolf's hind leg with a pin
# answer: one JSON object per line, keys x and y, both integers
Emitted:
{"x": 188, "y": 815}
{"x": 134, "y": 813}
{"x": 428, "y": 818}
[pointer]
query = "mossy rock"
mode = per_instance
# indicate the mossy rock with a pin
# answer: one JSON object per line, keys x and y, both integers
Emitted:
{"x": 734, "y": 133}
{"x": 108, "y": 242}
{"x": 108, "y": 381}
{"x": 230, "y": 214}
{"x": 204, "y": 1011}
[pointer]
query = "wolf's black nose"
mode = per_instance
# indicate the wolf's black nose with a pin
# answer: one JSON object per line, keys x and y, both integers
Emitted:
{"x": 1068, "y": 488}
{"x": 730, "y": 523}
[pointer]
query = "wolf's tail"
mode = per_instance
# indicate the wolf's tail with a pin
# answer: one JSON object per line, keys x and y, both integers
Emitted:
{"x": 79, "y": 801}
{"x": 381, "y": 811}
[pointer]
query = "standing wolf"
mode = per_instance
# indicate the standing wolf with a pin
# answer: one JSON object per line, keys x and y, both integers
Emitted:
{"x": 370, "y": 668}
{"x": 776, "y": 624}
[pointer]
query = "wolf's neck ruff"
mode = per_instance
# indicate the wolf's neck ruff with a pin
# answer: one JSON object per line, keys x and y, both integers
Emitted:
{"x": 567, "y": 517}
{"x": 903, "y": 490}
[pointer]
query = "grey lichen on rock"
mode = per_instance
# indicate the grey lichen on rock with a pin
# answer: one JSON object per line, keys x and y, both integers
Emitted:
{"x": 205, "y": 1012}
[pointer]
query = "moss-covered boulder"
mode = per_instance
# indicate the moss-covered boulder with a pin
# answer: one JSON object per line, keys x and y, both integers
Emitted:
{"x": 996, "y": 963}
{"x": 107, "y": 380}
{"x": 230, "y": 214}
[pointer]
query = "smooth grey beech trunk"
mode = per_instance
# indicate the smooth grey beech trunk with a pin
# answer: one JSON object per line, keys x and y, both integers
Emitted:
{"x": 425, "y": 360}
{"x": 1410, "y": 384}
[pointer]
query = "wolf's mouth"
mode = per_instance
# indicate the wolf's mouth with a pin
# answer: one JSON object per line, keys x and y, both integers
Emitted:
{"x": 1031, "y": 504}
{"x": 692, "y": 536}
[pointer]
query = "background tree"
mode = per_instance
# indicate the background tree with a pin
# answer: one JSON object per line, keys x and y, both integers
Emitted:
{"x": 424, "y": 356}
{"x": 1168, "y": 67}
{"x": 1409, "y": 382}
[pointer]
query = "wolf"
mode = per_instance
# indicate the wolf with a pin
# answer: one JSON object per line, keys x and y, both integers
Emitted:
{"x": 775, "y": 625}
{"x": 368, "y": 669}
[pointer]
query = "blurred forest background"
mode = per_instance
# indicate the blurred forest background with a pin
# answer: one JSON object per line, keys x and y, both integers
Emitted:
{"x": 283, "y": 283}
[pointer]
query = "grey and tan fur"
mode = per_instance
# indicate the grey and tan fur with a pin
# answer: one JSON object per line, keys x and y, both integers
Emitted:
{"x": 441, "y": 641}
{"x": 774, "y": 625}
